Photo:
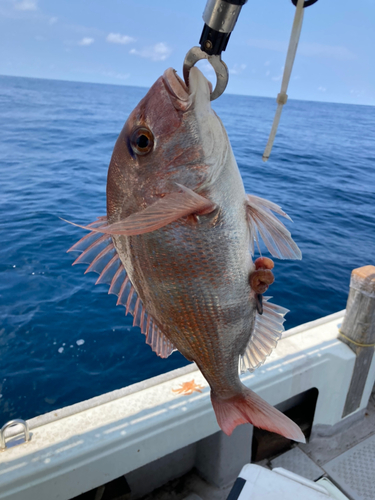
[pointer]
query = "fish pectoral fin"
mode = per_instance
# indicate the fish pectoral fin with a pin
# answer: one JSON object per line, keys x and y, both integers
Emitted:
{"x": 268, "y": 329}
{"x": 275, "y": 235}
{"x": 168, "y": 209}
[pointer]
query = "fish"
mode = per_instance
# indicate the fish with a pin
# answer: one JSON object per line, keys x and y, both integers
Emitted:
{"x": 177, "y": 247}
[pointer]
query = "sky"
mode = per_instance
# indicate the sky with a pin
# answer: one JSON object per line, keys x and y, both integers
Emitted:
{"x": 132, "y": 43}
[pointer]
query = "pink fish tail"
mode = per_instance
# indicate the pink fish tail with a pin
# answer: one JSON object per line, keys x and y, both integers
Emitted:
{"x": 248, "y": 407}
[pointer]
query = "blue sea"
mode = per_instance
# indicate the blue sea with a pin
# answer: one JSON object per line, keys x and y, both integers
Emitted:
{"x": 62, "y": 339}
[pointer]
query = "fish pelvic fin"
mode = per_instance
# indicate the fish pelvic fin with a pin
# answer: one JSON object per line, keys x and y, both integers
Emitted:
{"x": 275, "y": 235}
{"x": 99, "y": 253}
{"x": 248, "y": 407}
{"x": 171, "y": 207}
{"x": 267, "y": 332}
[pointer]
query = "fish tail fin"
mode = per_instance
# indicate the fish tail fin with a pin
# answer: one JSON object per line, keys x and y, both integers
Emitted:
{"x": 248, "y": 407}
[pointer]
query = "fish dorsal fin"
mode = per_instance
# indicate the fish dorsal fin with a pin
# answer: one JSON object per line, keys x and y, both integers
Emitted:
{"x": 99, "y": 252}
{"x": 267, "y": 332}
{"x": 275, "y": 235}
{"x": 154, "y": 336}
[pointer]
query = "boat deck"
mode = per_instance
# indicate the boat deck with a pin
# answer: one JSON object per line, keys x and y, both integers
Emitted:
{"x": 144, "y": 438}
{"x": 345, "y": 454}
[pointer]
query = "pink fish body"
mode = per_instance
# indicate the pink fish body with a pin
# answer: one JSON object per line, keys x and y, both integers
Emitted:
{"x": 177, "y": 244}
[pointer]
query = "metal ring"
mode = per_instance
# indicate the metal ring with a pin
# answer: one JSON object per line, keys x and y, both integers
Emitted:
{"x": 10, "y": 424}
{"x": 306, "y": 4}
{"x": 221, "y": 70}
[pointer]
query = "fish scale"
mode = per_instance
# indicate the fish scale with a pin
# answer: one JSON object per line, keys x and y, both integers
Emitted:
{"x": 190, "y": 259}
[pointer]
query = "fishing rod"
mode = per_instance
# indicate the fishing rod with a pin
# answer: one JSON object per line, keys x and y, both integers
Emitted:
{"x": 220, "y": 17}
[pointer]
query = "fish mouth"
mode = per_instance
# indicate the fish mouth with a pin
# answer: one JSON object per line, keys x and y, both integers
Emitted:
{"x": 176, "y": 86}
{"x": 184, "y": 96}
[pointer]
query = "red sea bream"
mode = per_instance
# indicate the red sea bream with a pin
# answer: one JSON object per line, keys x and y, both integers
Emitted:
{"x": 176, "y": 247}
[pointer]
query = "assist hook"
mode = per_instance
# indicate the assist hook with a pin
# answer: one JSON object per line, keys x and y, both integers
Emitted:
{"x": 220, "y": 17}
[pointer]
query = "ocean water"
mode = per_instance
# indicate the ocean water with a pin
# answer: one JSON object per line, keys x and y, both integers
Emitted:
{"x": 62, "y": 339}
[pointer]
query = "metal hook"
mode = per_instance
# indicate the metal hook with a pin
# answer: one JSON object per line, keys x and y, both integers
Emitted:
{"x": 221, "y": 70}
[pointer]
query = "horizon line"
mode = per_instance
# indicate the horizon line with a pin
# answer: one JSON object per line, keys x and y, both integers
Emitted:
{"x": 145, "y": 87}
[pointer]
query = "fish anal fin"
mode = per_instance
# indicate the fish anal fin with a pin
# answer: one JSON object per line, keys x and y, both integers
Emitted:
{"x": 268, "y": 329}
{"x": 275, "y": 235}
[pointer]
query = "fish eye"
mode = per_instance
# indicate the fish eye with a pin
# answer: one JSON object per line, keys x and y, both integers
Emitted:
{"x": 142, "y": 141}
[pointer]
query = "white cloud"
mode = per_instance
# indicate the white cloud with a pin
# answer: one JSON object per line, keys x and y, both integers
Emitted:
{"x": 267, "y": 63}
{"x": 305, "y": 49}
{"x": 52, "y": 20}
{"x": 237, "y": 69}
{"x": 322, "y": 89}
{"x": 86, "y": 41}
{"x": 118, "y": 38}
{"x": 268, "y": 73}
{"x": 158, "y": 52}
{"x": 26, "y": 5}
